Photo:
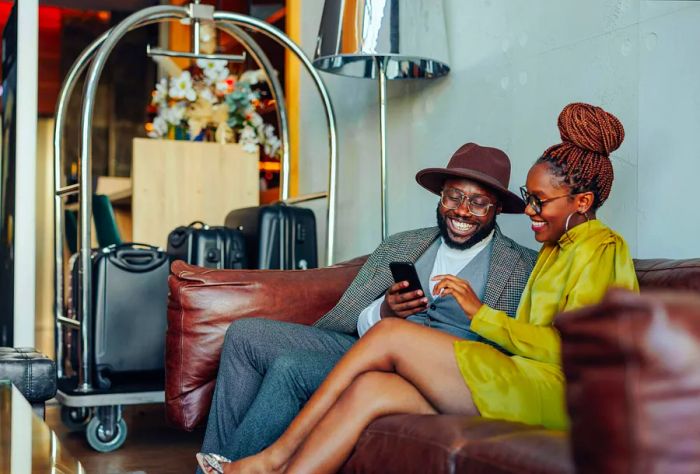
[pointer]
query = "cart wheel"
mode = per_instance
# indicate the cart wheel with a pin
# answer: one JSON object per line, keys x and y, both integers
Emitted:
{"x": 100, "y": 441}
{"x": 75, "y": 418}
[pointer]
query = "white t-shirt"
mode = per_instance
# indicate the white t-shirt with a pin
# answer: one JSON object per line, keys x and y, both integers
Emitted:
{"x": 448, "y": 261}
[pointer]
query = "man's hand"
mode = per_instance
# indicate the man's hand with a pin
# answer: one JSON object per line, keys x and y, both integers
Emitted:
{"x": 402, "y": 305}
{"x": 461, "y": 291}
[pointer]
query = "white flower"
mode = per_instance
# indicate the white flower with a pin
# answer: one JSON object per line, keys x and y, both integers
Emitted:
{"x": 271, "y": 146}
{"x": 272, "y": 143}
{"x": 255, "y": 119}
{"x": 250, "y": 147}
{"x": 253, "y": 76}
{"x": 214, "y": 69}
{"x": 181, "y": 87}
{"x": 248, "y": 133}
{"x": 269, "y": 131}
{"x": 160, "y": 127}
{"x": 222, "y": 86}
{"x": 249, "y": 139}
{"x": 206, "y": 94}
{"x": 161, "y": 93}
{"x": 175, "y": 113}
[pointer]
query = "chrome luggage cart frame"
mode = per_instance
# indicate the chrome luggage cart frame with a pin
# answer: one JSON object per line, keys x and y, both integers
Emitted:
{"x": 84, "y": 406}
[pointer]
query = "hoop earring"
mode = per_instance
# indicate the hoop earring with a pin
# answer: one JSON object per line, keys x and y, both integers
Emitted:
{"x": 568, "y": 219}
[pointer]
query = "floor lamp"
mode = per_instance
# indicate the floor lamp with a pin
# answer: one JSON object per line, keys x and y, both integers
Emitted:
{"x": 383, "y": 40}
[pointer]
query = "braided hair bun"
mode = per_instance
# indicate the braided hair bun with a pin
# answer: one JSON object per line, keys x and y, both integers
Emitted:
{"x": 590, "y": 128}
{"x": 589, "y": 134}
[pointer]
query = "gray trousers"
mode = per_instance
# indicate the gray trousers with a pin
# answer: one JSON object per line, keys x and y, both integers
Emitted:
{"x": 268, "y": 370}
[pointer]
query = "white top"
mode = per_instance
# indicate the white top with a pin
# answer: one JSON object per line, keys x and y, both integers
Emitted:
{"x": 448, "y": 261}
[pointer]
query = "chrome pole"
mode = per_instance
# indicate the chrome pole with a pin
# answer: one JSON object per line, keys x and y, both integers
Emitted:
{"x": 150, "y": 52}
{"x": 85, "y": 162}
{"x": 195, "y": 31}
{"x": 282, "y": 39}
{"x": 61, "y": 108}
{"x": 67, "y": 88}
{"x": 381, "y": 74}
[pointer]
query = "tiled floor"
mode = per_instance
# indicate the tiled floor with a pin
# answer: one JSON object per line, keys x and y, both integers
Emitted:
{"x": 151, "y": 445}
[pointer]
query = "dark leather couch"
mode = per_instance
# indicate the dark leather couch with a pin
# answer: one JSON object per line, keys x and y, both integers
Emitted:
{"x": 632, "y": 364}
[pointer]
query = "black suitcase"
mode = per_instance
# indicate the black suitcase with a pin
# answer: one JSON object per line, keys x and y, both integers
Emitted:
{"x": 211, "y": 247}
{"x": 277, "y": 236}
{"x": 129, "y": 312}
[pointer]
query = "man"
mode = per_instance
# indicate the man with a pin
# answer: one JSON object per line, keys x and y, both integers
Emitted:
{"x": 269, "y": 369}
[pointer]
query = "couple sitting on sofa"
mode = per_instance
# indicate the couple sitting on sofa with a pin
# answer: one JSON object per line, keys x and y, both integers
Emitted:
{"x": 472, "y": 345}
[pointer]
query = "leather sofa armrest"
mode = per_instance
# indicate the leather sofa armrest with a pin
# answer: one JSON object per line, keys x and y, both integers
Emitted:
{"x": 203, "y": 302}
{"x": 633, "y": 382}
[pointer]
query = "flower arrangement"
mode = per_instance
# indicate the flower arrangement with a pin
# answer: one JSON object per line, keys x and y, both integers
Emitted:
{"x": 207, "y": 103}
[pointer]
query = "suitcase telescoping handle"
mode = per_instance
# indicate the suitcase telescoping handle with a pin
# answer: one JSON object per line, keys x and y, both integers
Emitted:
{"x": 135, "y": 257}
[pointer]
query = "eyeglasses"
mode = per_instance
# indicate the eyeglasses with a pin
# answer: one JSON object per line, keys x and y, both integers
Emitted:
{"x": 452, "y": 198}
{"x": 536, "y": 203}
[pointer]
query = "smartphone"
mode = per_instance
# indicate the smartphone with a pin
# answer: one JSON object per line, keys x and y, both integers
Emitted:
{"x": 405, "y": 271}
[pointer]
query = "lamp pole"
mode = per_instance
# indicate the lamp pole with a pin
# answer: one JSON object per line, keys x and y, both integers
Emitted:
{"x": 384, "y": 40}
{"x": 382, "y": 139}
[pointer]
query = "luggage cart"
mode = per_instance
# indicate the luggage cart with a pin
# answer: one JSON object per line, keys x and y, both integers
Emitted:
{"x": 83, "y": 405}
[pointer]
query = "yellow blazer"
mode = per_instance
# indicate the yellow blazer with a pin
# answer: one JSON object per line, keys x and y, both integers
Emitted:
{"x": 529, "y": 385}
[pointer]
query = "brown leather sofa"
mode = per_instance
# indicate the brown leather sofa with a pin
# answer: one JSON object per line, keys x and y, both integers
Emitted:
{"x": 632, "y": 364}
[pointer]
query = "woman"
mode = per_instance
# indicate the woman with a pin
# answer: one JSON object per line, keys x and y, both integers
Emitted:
{"x": 401, "y": 367}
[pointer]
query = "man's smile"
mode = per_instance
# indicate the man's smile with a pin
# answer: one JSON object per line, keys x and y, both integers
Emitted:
{"x": 460, "y": 227}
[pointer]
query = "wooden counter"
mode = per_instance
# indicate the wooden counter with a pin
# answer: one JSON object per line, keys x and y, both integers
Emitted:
{"x": 178, "y": 182}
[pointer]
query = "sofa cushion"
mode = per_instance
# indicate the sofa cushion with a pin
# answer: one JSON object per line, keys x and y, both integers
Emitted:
{"x": 203, "y": 302}
{"x": 451, "y": 443}
{"x": 633, "y": 384}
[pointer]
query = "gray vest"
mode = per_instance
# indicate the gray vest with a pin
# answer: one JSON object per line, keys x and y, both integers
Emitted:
{"x": 444, "y": 313}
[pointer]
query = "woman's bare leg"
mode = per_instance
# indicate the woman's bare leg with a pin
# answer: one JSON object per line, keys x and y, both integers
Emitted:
{"x": 423, "y": 356}
{"x": 370, "y": 396}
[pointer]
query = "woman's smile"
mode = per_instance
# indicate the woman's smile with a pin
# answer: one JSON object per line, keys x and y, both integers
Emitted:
{"x": 537, "y": 226}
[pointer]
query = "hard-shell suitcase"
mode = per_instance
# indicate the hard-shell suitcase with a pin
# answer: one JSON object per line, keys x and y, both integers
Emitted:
{"x": 277, "y": 236}
{"x": 211, "y": 247}
{"x": 129, "y": 311}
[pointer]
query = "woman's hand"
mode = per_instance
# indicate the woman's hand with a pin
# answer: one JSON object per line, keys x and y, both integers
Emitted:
{"x": 461, "y": 290}
{"x": 402, "y": 305}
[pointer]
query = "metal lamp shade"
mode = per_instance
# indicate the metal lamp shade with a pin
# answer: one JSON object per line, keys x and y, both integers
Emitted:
{"x": 406, "y": 36}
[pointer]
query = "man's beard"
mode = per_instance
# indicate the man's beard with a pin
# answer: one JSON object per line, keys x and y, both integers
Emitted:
{"x": 480, "y": 234}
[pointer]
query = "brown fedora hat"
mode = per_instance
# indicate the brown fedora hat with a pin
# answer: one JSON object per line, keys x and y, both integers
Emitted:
{"x": 485, "y": 165}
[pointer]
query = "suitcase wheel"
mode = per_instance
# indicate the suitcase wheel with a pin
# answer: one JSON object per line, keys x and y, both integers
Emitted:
{"x": 106, "y": 431}
{"x": 75, "y": 418}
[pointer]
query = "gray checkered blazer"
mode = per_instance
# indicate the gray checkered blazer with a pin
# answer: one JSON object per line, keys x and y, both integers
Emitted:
{"x": 509, "y": 270}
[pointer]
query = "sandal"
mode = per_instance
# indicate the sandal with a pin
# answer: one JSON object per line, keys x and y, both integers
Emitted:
{"x": 211, "y": 463}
